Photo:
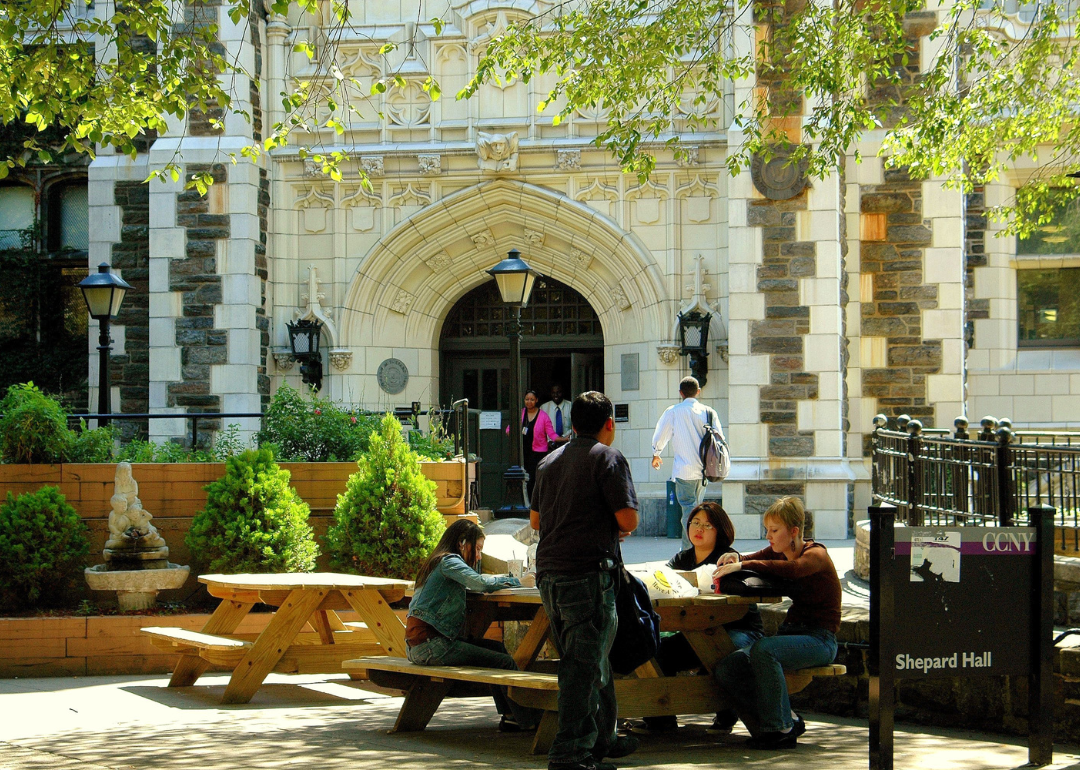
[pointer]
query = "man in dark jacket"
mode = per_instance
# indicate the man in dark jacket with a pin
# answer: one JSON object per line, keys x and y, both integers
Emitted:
{"x": 583, "y": 504}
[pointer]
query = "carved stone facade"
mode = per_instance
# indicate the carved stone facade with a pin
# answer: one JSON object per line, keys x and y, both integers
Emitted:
{"x": 848, "y": 298}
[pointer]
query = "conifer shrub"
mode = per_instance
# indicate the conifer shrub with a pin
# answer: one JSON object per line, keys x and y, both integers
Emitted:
{"x": 253, "y": 520}
{"x": 43, "y": 549}
{"x": 386, "y": 523}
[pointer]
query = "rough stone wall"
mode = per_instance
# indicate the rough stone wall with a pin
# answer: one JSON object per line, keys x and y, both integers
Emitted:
{"x": 130, "y": 370}
{"x": 892, "y": 252}
{"x": 262, "y": 321}
{"x": 196, "y": 278}
{"x": 759, "y": 496}
{"x": 974, "y": 256}
{"x": 780, "y": 335}
{"x": 201, "y": 13}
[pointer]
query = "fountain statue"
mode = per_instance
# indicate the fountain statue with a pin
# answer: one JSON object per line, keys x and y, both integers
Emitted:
{"x": 136, "y": 557}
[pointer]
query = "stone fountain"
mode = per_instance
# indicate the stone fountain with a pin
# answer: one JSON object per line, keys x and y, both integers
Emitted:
{"x": 136, "y": 558}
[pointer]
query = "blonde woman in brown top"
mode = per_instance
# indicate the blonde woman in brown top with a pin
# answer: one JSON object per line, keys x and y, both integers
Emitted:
{"x": 754, "y": 677}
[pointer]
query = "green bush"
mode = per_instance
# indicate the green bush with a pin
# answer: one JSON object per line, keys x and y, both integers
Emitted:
{"x": 33, "y": 428}
{"x": 315, "y": 430}
{"x": 435, "y": 444}
{"x": 92, "y": 446}
{"x": 386, "y": 523}
{"x": 253, "y": 520}
{"x": 43, "y": 548}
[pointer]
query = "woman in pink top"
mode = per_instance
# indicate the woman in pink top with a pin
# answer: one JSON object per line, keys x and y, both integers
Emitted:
{"x": 537, "y": 430}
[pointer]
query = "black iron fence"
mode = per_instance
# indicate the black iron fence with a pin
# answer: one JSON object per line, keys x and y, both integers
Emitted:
{"x": 988, "y": 479}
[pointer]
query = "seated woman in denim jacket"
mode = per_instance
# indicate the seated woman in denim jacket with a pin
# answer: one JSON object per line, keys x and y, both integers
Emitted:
{"x": 711, "y": 534}
{"x": 754, "y": 677}
{"x": 436, "y": 620}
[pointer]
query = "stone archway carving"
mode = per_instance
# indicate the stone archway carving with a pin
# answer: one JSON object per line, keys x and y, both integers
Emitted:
{"x": 441, "y": 252}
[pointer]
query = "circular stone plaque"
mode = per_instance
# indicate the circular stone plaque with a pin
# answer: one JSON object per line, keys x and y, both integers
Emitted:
{"x": 778, "y": 178}
{"x": 393, "y": 376}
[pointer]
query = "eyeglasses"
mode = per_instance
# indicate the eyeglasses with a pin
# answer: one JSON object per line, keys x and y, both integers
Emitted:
{"x": 703, "y": 527}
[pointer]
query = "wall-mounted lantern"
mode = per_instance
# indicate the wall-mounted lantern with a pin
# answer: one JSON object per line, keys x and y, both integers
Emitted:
{"x": 304, "y": 341}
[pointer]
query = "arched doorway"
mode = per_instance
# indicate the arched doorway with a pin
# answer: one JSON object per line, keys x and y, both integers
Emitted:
{"x": 562, "y": 343}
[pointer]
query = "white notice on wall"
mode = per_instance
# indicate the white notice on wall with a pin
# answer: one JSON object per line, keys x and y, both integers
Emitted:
{"x": 935, "y": 557}
{"x": 490, "y": 420}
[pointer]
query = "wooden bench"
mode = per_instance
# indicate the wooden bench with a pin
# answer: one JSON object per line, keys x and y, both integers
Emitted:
{"x": 425, "y": 687}
{"x": 308, "y": 654}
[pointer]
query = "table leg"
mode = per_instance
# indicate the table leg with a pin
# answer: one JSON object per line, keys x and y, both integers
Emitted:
{"x": 545, "y": 733}
{"x": 381, "y": 620}
{"x": 478, "y": 620}
{"x": 711, "y": 646}
{"x": 421, "y": 702}
{"x": 225, "y": 620}
{"x": 271, "y": 644}
{"x": 648, "y": 670}
{"x": 533, "y": 641}
{"x": 322, "y": 625}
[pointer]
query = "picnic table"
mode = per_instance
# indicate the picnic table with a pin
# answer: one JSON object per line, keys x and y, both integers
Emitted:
{"x": 646, "y": 693}
{"x": 302, "y": 600}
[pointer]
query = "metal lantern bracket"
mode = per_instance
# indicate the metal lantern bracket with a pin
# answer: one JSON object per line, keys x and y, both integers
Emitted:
{"x": 697, "y": 308}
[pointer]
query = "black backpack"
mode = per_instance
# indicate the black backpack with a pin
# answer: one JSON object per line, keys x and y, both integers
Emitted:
{"x": 638, "y": 636}
{"x": 713, "y": 451}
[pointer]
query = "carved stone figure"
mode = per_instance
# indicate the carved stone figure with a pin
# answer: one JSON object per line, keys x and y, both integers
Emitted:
{"x": 497, "y": 152}
{"x": 129, "y": 522}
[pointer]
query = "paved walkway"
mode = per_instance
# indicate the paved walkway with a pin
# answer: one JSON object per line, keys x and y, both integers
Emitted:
{"x": 135, "y": 723}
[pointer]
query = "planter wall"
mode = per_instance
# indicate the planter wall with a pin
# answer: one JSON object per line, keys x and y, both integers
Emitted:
{"x": 102, "y": 644}
{"x": 173, "y": 493}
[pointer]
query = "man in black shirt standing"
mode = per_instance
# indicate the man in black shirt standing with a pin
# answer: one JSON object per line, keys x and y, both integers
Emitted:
{"x": 584, "y": 502}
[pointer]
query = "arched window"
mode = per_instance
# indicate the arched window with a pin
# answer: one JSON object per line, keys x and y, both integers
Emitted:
{"x": 16, "y": 216}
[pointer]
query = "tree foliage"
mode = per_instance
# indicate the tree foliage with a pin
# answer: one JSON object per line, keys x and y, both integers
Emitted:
{"x": 995, "y": 88}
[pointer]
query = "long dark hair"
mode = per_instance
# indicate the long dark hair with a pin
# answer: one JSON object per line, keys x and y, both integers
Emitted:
{"x": 459, "y": 535}
{"x": 725, "y": 530}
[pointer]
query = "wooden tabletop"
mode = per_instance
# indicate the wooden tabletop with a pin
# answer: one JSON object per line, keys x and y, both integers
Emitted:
{"x": 532, "y": 596}
{"x": 329, "y": 581}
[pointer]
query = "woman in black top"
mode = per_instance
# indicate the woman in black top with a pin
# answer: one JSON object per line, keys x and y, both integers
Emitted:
{"x": 711, "y": 534}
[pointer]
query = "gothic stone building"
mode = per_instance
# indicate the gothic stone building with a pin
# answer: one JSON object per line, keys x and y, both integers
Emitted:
{"x": 860, "y": 293}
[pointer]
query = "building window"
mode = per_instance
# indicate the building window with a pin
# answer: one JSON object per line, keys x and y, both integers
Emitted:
{"x": 1049, "y": 307}
{"x": 16, "y": 217}
{"x": 69, "y": 217}
{"x": 1048, "y": 281}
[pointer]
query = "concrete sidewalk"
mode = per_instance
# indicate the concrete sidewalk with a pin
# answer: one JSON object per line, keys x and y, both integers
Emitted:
{"x": 132, "y": 723}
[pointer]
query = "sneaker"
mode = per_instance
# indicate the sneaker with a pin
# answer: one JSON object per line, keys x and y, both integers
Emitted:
{"x": 590, "y": 765}
{"x": 799, "y": 727}
{"x": 773, "y": 741}
{"x": 509, "y": 725}
{"x": 722, "y": 723}
{"x": 622, "y": 746}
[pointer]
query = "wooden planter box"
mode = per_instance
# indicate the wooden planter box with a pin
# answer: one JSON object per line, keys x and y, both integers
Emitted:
{"x": 98, "y": 645}
{"x": 173, "y": 493}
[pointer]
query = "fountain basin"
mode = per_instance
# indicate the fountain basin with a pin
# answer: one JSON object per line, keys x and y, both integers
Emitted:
{"x": 136, "y": 589}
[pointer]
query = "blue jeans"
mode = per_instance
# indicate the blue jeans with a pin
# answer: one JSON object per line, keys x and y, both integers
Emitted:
{"x": 486, "y": 653}
{"x": 689, "y": 495}
{"x": 583, "y": 624}
{"x": 753, "y": 677}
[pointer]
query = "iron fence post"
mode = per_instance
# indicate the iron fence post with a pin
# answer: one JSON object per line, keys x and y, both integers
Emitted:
{"x": 881, "y": 422}
{"x": 1006, "y": 487}
{"x": 915, "y": 514}
{"x": 961, "y": 473}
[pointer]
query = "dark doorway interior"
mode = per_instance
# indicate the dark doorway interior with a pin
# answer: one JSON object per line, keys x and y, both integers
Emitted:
{"x": 562, "y": 343}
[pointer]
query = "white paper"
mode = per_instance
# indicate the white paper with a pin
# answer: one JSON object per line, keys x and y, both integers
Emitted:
{"x": 490, "y": 420}
{"x": 935, "y": 557}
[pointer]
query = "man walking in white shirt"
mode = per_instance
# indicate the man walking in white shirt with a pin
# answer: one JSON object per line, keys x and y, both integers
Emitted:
{"x": 684, "y": 425}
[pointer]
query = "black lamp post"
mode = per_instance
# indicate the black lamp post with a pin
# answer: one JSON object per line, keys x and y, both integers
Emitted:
{"x": 103, "y": 293}
{"x": 694, "y": 342}
{"x": 516, "y": 280}
{"x": 304, "y": 341}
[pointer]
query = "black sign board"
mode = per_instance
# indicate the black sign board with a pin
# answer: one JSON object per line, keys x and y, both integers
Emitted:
{"x": 622, "y": 412}
{"x": 956, "y": 602}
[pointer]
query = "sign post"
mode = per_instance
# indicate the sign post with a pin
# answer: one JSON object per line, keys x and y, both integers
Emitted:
{"x": 959, "y": 602}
